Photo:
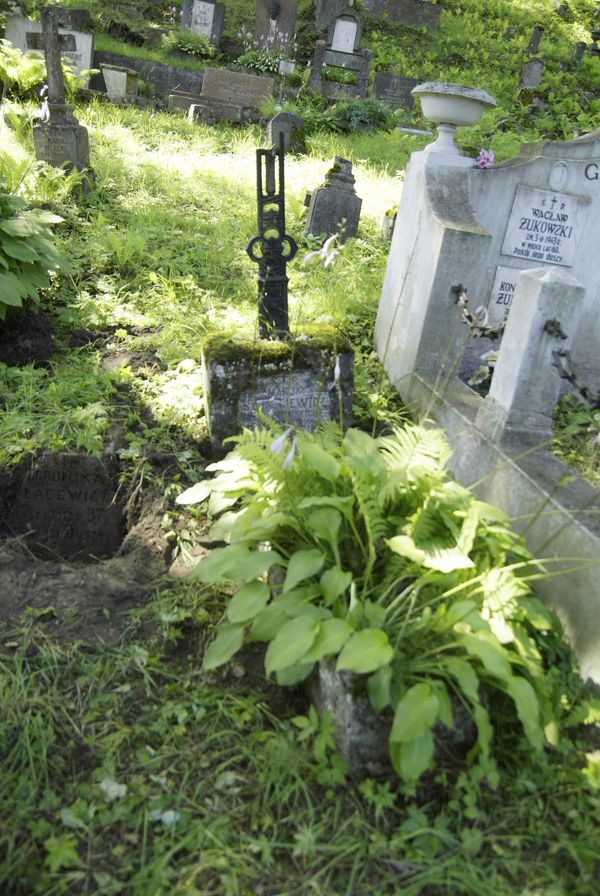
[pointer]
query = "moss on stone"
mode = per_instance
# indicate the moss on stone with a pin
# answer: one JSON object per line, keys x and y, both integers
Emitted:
{"x": 302, "y": 346}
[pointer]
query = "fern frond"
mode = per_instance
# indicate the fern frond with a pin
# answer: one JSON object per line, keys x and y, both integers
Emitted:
{"x": 415, "y": 456}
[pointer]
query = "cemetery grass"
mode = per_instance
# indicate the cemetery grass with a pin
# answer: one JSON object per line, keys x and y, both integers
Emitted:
{"x": 125, "y": 768}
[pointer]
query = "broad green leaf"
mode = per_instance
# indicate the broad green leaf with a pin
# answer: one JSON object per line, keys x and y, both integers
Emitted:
{"x": 325, "y": 523}
{"x": 19, "y": 249}
{"x": 319, "y": 460}
{"x": 412, "y": 758}
{"x": 233, "y": 563}
{"x": 465, "y": 676}
{"x": 331, "y": 637}
{"x": 445, "y": 714}
{"x": 11, "y": 290}
{"x": 293, "y": 674}
{"x": 291, "y": 643}
{"x": 248, "y": 601}
{"x": 302, "y": 565}
{"x": 195, "y": 493}
{"x": 486, "y": 648}
{"x": 446, "y": 560}
{"x": 415, "y": 713}
{"x": 299, "y": 602}
{"x": 378, "y": 688}
{"x": 23, "y": 225}
{"x": 344, "y": 505}
{"x": 228, "y": 641}
{"x": 528, "y": 709}
{"x": 267, "y": 623}
{"x": 334, "y": 582}
{"x": 456, "y": 612}
{"x": 485, "y": 731}
{"x": 365, "y": 651}
{"x": 375, "y": 614}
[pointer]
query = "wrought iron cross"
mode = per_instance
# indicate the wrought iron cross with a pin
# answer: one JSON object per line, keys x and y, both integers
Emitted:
{"x": 272, "y": 248}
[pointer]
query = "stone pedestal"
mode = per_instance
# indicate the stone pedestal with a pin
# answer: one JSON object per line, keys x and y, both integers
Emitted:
{"x": 62, "y": 141}
{"x": 335, "y": 207}
{"x": 296, "y": 383}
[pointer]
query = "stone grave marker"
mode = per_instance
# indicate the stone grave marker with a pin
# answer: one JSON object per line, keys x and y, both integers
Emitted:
{"x": 393, "y": 90}
{"x": 275, "y": 23}
{"x": 231, "y": 96}
{"x": 579, "y": 51}
{"x": 181, "y": 100}
{"x": 341, "y": 51}
{"x": 78, "y": 45}
{"x": 415, "y": 13}
{"x": 207, "y": 19}
{"x": 327, "y": 11}
{"x": 58, "y": 139}
{"x": 534, "y": 43}
{"x": 121, "y": 83}
{"x": 65, "y": 504}
{"x": 531, "y": 75}
{"x": 292, "y": 128}
{"x": 335, "y": 207}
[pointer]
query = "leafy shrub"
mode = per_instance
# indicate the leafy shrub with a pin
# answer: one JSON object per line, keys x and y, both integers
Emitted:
{"x": 388, "y": 566}
{"x": 27, "y": 252}
{"x": 20, "y": 72}
{"x": 196, "y": 45}
{"x": 261, "y": 60}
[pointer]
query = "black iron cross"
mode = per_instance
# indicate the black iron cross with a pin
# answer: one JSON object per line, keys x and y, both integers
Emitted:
{"x": 272, "y": 248}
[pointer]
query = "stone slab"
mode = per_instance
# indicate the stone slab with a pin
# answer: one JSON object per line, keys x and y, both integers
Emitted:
{"x": 247, "y": 91}
{"x": 297, "y": 389}
{"x": 275, "y": 23}
{"x": 65, "y": 503}
{"x": 326, "y": 11}
{"x": 393, "y": 90}
{"x": 542, "y": 227}
{"x": 62, "y": 144}
{"x": 180, "y": 101}
{"x": 345, "y": 32}
{"x": 207, "y": 19}
{"x": 415, "y": 13}
{"x": 209, "y": 111}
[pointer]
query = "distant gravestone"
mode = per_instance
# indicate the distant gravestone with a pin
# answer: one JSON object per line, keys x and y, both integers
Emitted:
{"x": 65, "y": 503}
{"x": 207, "y": 19}
{"x": 58, "y": 138}
{"x": 335, "y": 207}
{"x": 415, "y": 13}
{"x": 394, "y": 91}
{"x": 341, "y": 52}
{"x": 534, "y": 43}
{"x": 181, "y": 100}
{"x": 231, "y": 96}
{"x": 121, "y": 83}
{"x": 579, "y": 51}
{"x": 275, "y": 23}
{"x": 345, "y": 36}
{"x": 531, "y": 75}
{"x": 292, "y": 128}
{"x": 327, "y": 11}
{"x": 78, "y": 46}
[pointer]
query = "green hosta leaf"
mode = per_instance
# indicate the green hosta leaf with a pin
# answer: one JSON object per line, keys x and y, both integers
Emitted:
{"x": 325, "y": 523}
{"x": 378, "y": 688}
{"x": 11, "y": 290}
{"x": 19, "y": 249}
{"x": 528, "y": 709}
{"x": 456, "y": 613}
{"x": 331, "y": 637}
{"x": 415, "y": 713}
{"x": 319, "y": 460}
{"x": 23, "y": 225}
{"x": 344, "y": 505}
{"x": 375, "y": 614}
{"x": 445, "y": 714}
{"x": 248, "y": 601}
{"x": 298, "y": 602}
{"x": 489, "y": 651}
{"x": 291, "y": 643}
{"x": 334, "y": 582}
{"x": 302, "y": 565}
{"x": 485, "y": 731}
{"x": 465, "y": 676}
{"x": 412, "y": 758}
{"x": 267, "y": 623}
{"x": 227, "y": 643}
{"x": 293, "y": 674}
{"x": 233, "y": 563}
{"x": 365, "y": 651}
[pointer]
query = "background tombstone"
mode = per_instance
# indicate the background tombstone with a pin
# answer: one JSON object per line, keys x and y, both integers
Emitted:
{"x": 414, "y": 13}
{"x": 25, "y": 34}
{"x": 345, "y": 33}
{"x": 207, "y": 19}
{"x": 335, "y": 207}
{"x": 393, "y": 90}
{"x": 121, "y": 83}
{"x": 230, "y": 96}
{"x": 579, "y": 51}
{"x": 186, "y": 13}
{"x": 531, "y": 75}
{"x": 341, "y": 51}
{"x": 326, "y": 11}
{"x": 59, "y": 139}
{"x": 292, "y": 128}
{"x": 275, "y": 23}
{"x": 534, "y": 43}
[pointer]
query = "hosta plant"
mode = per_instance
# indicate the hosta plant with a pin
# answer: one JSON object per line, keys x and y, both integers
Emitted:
{"x": 27, "y": 251}
{"x": 364, "y": 550}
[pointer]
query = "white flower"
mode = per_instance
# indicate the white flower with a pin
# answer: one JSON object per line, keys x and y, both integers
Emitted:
{"x": 168, "y": 818}
{"x": 290, "y": 456}
{"x": 112, "y": 790}
{"x": 277, "y": 446}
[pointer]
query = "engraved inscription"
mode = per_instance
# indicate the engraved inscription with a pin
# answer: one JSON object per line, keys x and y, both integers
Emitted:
{"x": 542, "y": 227}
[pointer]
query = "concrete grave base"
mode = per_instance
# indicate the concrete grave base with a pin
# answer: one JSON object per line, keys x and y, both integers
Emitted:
{"x": 296, "y": 383}
{"x": 62, "y": 143}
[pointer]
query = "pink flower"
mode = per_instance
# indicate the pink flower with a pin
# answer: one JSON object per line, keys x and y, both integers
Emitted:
{"x": 485, "y": 159}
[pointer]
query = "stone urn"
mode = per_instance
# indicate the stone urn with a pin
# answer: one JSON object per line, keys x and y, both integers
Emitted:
{"x": 450, "y": 106}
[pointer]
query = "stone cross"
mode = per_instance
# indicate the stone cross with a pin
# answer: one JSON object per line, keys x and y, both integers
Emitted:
{"x": 52, "y": 44}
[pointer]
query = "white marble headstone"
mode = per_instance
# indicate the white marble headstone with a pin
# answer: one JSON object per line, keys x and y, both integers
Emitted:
{"x": 344, "y": 35}
{"x": 203, "y": 14}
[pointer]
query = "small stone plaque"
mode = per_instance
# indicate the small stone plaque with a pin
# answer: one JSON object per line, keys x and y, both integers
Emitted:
{"x": 65, "y": 503}
{"x": 248, "y": 91}
{"x": 203, "y": 14}
{"x": 542, "y": 227}
{"x": 394, "y": 91}
{"x": 344, "y": 35}
{"x": 503, "y": 290}
{"x": 62, "y": 144}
